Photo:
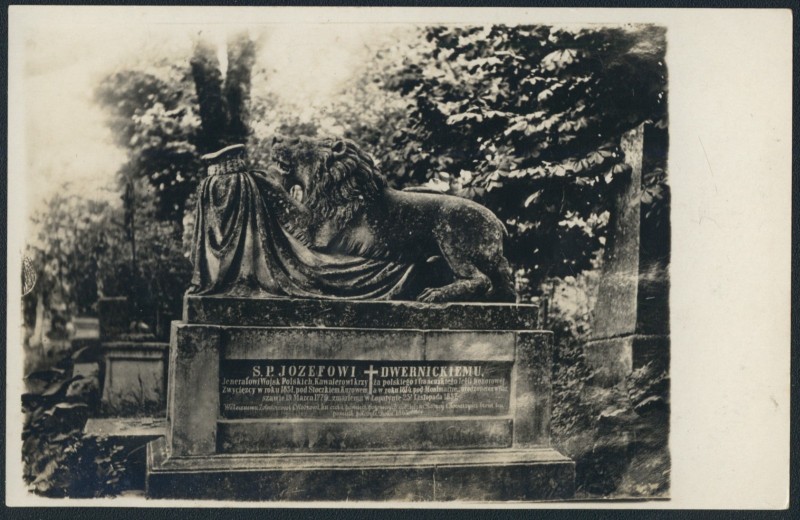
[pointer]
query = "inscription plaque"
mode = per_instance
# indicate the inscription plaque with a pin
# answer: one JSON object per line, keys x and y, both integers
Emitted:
{"x": 351, "y": 389}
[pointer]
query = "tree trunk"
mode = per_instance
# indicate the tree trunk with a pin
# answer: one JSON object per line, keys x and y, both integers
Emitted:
{"x": 241, "y": 57}
{"x": 208, "y": 83}
{"x": 224, "y": 109}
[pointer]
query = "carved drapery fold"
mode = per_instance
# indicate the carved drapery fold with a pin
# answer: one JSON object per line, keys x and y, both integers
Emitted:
{"x": 240, "y": 249}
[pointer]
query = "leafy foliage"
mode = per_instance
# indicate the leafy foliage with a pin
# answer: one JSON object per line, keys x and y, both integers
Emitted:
{"x": 224, "y": 106}
{"x": 82, "y": 252}
{"x": 154, "y": 116}
{"x": 58, "y": 460}
{"x": 525, "y": 119}
{"x": 77, "y": 254}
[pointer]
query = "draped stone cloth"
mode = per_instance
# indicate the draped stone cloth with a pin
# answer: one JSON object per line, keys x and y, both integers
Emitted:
{"x": 241, "y": 249}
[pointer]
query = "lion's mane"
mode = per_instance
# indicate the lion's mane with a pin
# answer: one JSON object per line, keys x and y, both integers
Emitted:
{"x": 344, "y": 183}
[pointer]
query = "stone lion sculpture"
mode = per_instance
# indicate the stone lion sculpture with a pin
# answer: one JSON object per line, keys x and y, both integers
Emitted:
{"x": 330, "y": 195}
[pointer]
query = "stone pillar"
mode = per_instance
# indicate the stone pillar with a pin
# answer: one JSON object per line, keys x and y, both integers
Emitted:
{"x": 631, "y": 316}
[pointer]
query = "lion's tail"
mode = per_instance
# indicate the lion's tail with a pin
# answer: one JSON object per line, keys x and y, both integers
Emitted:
{"x": 502, "y": 279}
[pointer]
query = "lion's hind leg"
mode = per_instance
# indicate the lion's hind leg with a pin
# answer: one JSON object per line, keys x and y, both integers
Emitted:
{"x": 463, "y": 289}
{"x": 471, "y": 283}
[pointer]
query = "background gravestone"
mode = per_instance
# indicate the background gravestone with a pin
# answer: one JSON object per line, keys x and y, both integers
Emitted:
{"x": 134, "y": 364}
{"x": 631, "y": 315}
{"x": 289, "y": 399}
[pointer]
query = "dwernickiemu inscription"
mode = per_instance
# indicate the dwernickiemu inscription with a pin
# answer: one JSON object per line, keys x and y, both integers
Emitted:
{"x": 355, "y": 388}
{"x": 304, "y": 370}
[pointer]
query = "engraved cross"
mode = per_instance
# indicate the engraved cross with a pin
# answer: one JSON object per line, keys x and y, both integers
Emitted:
{"x": 371, "y": 372}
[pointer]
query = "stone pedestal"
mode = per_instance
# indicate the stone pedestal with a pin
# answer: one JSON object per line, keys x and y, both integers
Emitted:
{"x": 277, "y": 399}
{"x": 135, "y": 382}
{"x": 631, "y": 315}
{"x": 134, "y": 364}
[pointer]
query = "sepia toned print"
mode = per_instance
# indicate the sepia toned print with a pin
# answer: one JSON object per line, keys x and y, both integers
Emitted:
{"x": 435, "y": 269}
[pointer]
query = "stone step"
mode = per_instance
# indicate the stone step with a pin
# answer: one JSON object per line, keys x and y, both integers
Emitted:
{"x": 131, "y": 434}
{"x": 142, "y": 429}
{"x": 473, "y": 475}
{"x": 367, "y": 434}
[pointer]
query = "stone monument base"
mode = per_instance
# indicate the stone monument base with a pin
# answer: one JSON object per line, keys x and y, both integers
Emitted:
{"x": 297, "y": 400}
{"x": 471, "y": 475}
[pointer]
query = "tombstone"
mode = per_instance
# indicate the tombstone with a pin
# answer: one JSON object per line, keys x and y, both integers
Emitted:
{"x": 132, "y": 368}
{"x": 85, "y": 347}
{"x": 281, "y": 399}
{"x": 85, "y": 332}
{"x": 631, "y": 316}
{"x": 298, "y": 374}
{"x": 135, "y": 378}
{"x": 134, "y": 365}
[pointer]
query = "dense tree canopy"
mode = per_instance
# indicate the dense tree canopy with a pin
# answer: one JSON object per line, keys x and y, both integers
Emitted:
{"x": 83, "y": 251}
{"x": 525, "y": 119}
{"x": 154, "y": 116}
{"x": 166, "y": 116}
{"x": 170, "y": 114}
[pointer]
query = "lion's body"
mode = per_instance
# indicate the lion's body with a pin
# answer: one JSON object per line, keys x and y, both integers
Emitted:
{"x": 409, "y": 227}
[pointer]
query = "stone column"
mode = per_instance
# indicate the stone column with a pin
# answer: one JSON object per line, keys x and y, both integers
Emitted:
{"x": 631, "y": 316}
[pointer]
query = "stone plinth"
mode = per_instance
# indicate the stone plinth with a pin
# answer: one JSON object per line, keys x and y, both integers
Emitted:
{"x": 464, "y": 475}
{"x": 286, "y": 312}
{"x": 125, "y": 429}
{"x": 135, "y": 381}
{"x": 631, "y": 315}
{"x": 274, "y": 399}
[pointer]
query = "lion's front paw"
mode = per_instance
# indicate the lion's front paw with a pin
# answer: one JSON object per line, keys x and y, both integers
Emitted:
{"x": 431, "y": 295}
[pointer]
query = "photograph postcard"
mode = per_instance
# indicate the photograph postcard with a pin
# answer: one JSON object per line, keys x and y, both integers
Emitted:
{"x": 398, "y": 257}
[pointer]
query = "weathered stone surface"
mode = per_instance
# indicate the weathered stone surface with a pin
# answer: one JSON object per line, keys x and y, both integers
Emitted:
{"x": 250, "y": 436}
{"x": 86, "y": 333}
{"x": 533, "y": 391}
{"x": 615, "y": 358}
{"x": 351, "y": 389}
{"x": 615, "y": 311}
{"x": 199, "y": 351}
{"x": 194, "y": 391}
{"x": 143, "y": 429}
{"x": 321, "y": 343}
{"x": 277, "y": 312}
{"x": 135, "y": 377}
{"x": 388, "y": 411}
{"x": 467, "y": 346}
{"x": 341, "y": 233}
{"x": 542, "y": 481}
{"x": 285, "y": 343}
{"x": 633, "y": 297}
{"x": 469, "y": 475}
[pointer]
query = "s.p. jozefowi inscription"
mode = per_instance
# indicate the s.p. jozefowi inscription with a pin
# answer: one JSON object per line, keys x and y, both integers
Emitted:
{"x": 350, "y": 388}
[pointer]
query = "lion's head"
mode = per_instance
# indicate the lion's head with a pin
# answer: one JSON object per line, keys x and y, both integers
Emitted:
{"x": 335, "y": 177}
